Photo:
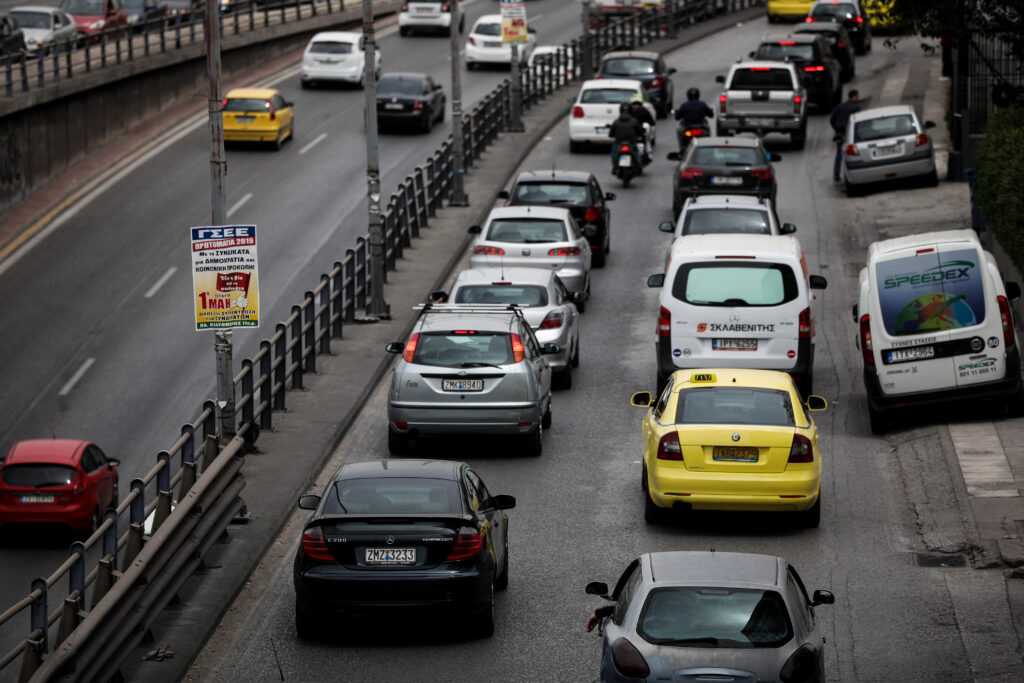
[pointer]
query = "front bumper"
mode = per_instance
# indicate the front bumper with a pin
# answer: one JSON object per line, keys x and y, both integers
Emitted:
{"x": 465, "y": 418}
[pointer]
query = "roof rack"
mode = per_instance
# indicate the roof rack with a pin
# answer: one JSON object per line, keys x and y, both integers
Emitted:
{"x": 431, "y": 307}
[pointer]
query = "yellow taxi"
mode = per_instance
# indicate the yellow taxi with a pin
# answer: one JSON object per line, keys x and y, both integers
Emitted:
{"x": 793, "y": 10}
{"x": 257, "y": 115}
{"x": 881, "y": 13}
{"x": 731, "y": 439}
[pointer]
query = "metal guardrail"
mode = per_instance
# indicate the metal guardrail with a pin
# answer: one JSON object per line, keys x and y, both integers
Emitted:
{"x": 186, "y": 501}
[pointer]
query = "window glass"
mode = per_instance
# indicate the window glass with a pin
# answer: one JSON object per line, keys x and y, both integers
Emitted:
{"x": 92, "y": 459}
{"x": 256, "y": 104}
{"x": 762, "y": 78}
{"x": 28, "y": 19}
{"x": 734, "y": 405}
{"x": 463, "y": 348}
{"x": 659, "y": 407}
{"x": 522, "y": 295}
{"x": 393, "y": 495}
{"x": 550, "y": 193}
{"x": 485, "y": 495}
{"x": 735, "y": 284}
{"x": 804, "y": 613}
{"x": 715, "y": 618}
{"x": 487, "y": 29}
{"x": 839, "y": 10}
{"x": 629, "y": 67}
{"x": 606, "y": 96}
{"x": 331, "y": 47}
{"x": 395, "y": 85}
{"x": 727, "y": 156}
{"x": 530, "y": 341}
{"x": 526, "y": 230}
{"x": 716, "y": 221}
{"x": 781, "y": 50}
{"x": 279, "y": 102}
{"x": 883, "y": 127}
{"x": 627, "y": 592}
{"x": 38, "y": 475}
{"x": 93, "y": 7}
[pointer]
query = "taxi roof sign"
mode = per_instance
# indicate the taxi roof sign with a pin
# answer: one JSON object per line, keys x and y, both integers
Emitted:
{"x": 703, "y": 378}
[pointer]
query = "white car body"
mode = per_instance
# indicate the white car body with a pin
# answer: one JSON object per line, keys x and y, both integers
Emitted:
{"x": 560, "y": 61}
{"x": 890, "y": 143}
{"x": 336, "y": 56}
{"x": 484, "y": 46}
{"x": 60, "y": 28}
{"x": 424, "y": 15}
{"x": 597, "y": 105}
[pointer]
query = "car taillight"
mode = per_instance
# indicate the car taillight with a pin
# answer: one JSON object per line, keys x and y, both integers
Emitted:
{"x": 314, "y": 545}
{"x": 564, "y": 251}
{"x": 694, "y": 132}
{"x": 806, "y": 327}
{"x": 1007, "y": 317}
{"x": 552, "y": 321}
{"x": 488, "y": 251}
{"x": 787, "y": 42}
{"x": 467, "y": 544}
{"x": 518, "y": 350}
{"x": 404, "y": 7}
{"x": 410, "y": 347}
{"x": 593, "y": 214}
{"x": 577, "y": 112}
{"x": 801, "y": 450}
{"x": 669, "y": 448}
{"x": 270, "y": 108}
{"x": 628, "y": 660}
{"x": 810, "y": 20}
{"x": 859, "y": 20}
{"x": 922, "y": 139}
{"x": 841, "y": 42}
{"x": 417, "y": 105}
{"x": 658, "y": 82}
{"x": 664, "y": 323}
{"x": 800, "y": 666}
{"x": 446, "y": 7}
{"x": 721, "y": 103}
{"x": 866, "y": 349}
{"x": 851, "y": 150}
{"x": 471, "y": 40}
{"x": 814, "y": 68}
{"x": 761, "y": 173}
{"x": 224, "y": 103}
{"x": 796, "y": 103}
{"x": 690, "y": 173}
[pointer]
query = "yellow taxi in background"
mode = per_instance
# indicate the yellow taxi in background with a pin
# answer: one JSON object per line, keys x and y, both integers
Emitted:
{"x": 257, "y": 115}
{"x": 731, "y": 439}
{"x": 792, "y": 10}
{"x": 881, "y": 14}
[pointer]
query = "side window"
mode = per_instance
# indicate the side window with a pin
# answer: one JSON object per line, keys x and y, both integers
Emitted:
{"x": 532, "y": 347}
{"x": 626, "y": 594}
{"x": 472, "y": 493}
{"x": 92, "y": 459}
{"x": 659, "y": 407}
{"x": 796, "y": 588}
{"x": 279, "y": 102}
{"x": 563, "y": 293}
{"x": 595, "y": 191}
{"x": 482, "y": 492}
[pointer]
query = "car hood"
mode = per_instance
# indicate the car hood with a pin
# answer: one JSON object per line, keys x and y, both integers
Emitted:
{"x": 37, "y": 34}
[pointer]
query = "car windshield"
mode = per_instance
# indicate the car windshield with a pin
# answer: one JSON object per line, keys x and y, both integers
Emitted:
{"x": 93, "y": 7}
{"x": 840, "y": 10}
{"x": 399, "y": 86}
{"x": 883, "y": 127}
{"x": 331, "y": 47}
{"x": 522, "y": 295}
{"x": 715, "y": 618}
{"x": 606, "y": 95}
{"x": 463, "y": 348}
{"x": 734, "y": 406}
{"x": 526, "y": 230}
{"x": 783, "y": 49}
{"x": 487, "y": 29}
{"x": 33, "y": 19}
{"x": 735, "y": 284}
{"x": 727, "y": 156}
{"x": 550, "y": 193}
{"x": 716, "y": 221}
{"x": 38, "y": 474}
{"x": 762, "y": 78}
{"x": 393, "y": 495}
{"x": 246, "y": 104}
{"x": 628, "y": 66}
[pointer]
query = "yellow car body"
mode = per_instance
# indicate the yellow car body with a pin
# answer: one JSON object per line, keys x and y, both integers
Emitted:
{"x": 257, "y": 115}
{"x": 731, "y": 439}
{"x": 792, "y": 10}
{"x": 881, "y": 14}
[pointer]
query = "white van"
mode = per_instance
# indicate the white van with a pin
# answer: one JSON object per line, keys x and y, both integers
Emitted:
{"x": 736, "y": 301}
{"x": 935, "y": 325}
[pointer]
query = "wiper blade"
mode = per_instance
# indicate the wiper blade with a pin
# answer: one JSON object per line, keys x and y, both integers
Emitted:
{"x": 735, "y": 302}
{"x": 478, "y": 364}
{"x": 538, "y": 241}
{"x": 688, "y": 641}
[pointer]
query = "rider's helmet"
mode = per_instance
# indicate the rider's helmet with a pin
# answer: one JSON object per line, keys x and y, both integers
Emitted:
{"x": 623, "y": 108}
{"x": 636, "y": 98}
{"x": 693, "y": 94}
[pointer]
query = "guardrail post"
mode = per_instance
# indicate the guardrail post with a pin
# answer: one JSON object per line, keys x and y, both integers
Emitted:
{"x": 296, "y": 361}
{"x": 266, "y": 385}
{"x": 361, "y": 272}
{"x": 188, "y": 450}
{"x": 35, "y": 649}
{"x": 110, "y": 535}
{"x": 210, "y": 421}
{"x": 309, "y": 332}
{"x": 325, "y": 314}
{"x": 248, "y": 395}
{"x": 104, "y": 579}
{"x": 422, "y": 205}
{"x": 69, "y": 616}
{"x": 163, "y": 491}
{"x": 211, "y": 450}
{"x": 338, "y": 299}
{"x": 136, "y": 520}
{"x": 281, "y": 370}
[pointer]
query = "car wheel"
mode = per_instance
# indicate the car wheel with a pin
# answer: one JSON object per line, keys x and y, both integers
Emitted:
{"x": 403, "y": 31}
{"x": 677, "y": 207}
{"x": 305, "y": 84}
{"x": 545, "y": 420}
{"x": 799, "y": 137}
{"x": 462, "y": 24}
{"x": 501, "y": 581}
{"x": 879, "y": 423}
{"x": 852, "y": 190}
{"x": 532, "y": 444}
{"x": 307, "y": 626}
{"x": 804, "y": 386}
{"x": 482, "y": 623}
{"x": 575, "y": 147}
{"x": 932, "y": 179}
{"x": 1015, "y": 407}
{"x": 581, "y": 306}
{"x": 643, "y": 477}
{"x": 440, "y": 118}
{"x": 563, "y": 379}
{"x": 398, "y": 444}
{"x": 448, "y": 31}
{"x": 278, "y": 141}
{"x": 471, "y": 66}
{"x": 427, "y": 123}
{"x": 599, "y": 258}
{"x": 661, "y": 112}
{"x": 810, "y": 518}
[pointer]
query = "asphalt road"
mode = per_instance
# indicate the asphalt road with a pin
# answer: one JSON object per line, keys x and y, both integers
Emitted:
{"x": 899, "y": 614}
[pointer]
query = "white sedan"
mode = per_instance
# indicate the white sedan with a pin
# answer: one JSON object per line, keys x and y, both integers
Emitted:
{"x": 484, "y": 46}
{"x": 336, "y": 56}
{"x": 597, "y": 106}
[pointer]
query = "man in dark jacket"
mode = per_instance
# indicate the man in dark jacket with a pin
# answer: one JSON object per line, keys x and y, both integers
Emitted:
{"x": 625, "y": 129}
{"x": 840, "y": 117}
{"x": 693, "y": 113}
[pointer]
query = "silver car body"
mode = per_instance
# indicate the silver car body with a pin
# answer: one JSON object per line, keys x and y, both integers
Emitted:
{"x": 553, "y": 316}
{"x": 44, "y": 26}
{"x": 337, "y": 56}
{"x": 531, "y": 237}
{"x": 890, "y": 143}
{"x": 714, "y": 578}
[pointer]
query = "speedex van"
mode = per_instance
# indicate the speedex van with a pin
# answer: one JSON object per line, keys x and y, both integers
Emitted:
{"x": 935, "y": 325}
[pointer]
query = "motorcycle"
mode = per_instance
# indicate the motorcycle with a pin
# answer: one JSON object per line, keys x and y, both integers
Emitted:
{"x": 625, "y": 167}
{"x": 687, "y": 133}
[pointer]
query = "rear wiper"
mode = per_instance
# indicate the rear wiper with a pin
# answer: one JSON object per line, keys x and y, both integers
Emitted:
{"x": 538, "y": 241}
{"x": 478, "y": 364}
{"x": 558, "y": 201}
{"x": 688, "y": 641}
{"x": 736, "y": 163}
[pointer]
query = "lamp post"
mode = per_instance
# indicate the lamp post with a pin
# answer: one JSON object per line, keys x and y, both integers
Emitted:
{"x": 458, "y": 195}
{"x": 376, "y": 306}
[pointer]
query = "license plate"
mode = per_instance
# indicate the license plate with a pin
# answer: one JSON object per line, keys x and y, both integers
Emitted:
{"x": 601, "y": 129}
{"x": 726, "y": 180}
{"x": 37, "y": 499}
{"x": 462, "y": 384}
{"x": 491, "y": 43}
{"x": 424, "y": 10}
{"x": 245, "y": 119}
{"x": 390, "y": 556}
{"x": 625, "y": 160}
{"x": 734, "y": 344}
{"x": 761, "y": 122}
{"x": 329, "y": 61}
{"x": 389, "y": 106}
{"x": 891, "y": 151}
{"x": 735, "y": 453}
{"x": 915, "y": 353}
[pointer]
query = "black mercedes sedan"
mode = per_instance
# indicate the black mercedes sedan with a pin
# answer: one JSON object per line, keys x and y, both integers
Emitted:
{"x": 723, "y": 165}
{"x": 409, "y": 99}
{"x": 408, "y": 535}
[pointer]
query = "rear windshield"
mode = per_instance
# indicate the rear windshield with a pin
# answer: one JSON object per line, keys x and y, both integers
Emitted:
{"x": 841, "y": 10}
{"x": 526, "y": 231}
{"x": 781, "y": 51}
{"x": 399, "y": 86}
{"x": 762, "y": 78}
{"x": 83, "y": 7}
{"x": 883, "y": 127}
{"x": 32, "y": 19}
{"x": 551, "y": 193}
{"x": 727, "y": 156}
{"x": 931, "y": 292}
{"x": 38, "y": 475}
{"x": 735, "y": 284}
{"x": 715, "y": 618}
{"x": 729, "y": 405}
{"x": 487, "y": 29}
{"x": 331, "y": 47}
{"x": 714, "y": 221}
{"x": 393, "y": 495}
{"x": 606, "y": 96}
{"x": 463, "y": 349}
{"x": 246, "y": 104}
{"x": 523, "y": 295}
{"x": 629, "y": 66}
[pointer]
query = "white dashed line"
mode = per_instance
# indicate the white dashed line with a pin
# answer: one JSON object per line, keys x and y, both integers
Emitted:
{"x": 160, "y": 283}
{"x": 77, "y": 376}
{"x": 239, "y": 204}
{"x": 316, "y": 141}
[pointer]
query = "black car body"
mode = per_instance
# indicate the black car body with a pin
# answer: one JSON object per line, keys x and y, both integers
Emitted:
{"x": 577, "y": 191}
{"x": 839, "y": 42}
{"x": 723, "y": 165}
{"x": 819, "y": 71}
{"x": 401, "y": 534}
{"x": 850, "y": 14}
{"x": 647, "y": 67}
{"x": 409, "y": 99}
{"x": 12, "y": 40}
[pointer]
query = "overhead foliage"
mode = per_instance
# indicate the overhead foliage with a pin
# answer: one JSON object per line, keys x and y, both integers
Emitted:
{"x": 938, "y": 18}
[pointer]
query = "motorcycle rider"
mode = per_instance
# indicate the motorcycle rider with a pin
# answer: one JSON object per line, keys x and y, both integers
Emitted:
{"x": 693, "y": 113}
{"x": 639, "y": 112}
{"x": 625, "y": 130}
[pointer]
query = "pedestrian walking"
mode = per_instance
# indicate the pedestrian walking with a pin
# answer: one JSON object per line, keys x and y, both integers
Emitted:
{"x": 840, "y": 117}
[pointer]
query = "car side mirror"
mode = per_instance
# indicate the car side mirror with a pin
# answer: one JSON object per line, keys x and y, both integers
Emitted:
{"x": 719, "y": 79}
{"x": 818, "y": 282}
{"x": 1012, "y": 290}
{"x": 550, "y": 349}
{"x": 673, "y": 156}
{"x": 309, "y": 502}
{"x": 752, "y": 54}
{"x": 787, "y": 229}
{"x": 609, "y": 196}
{"x": 671, "y": 70}
{"x": 438, "y": 297}
{"x": 579, "y": 297}
{"x": 665, "y": 226}
{"x": 289, "y": 104}
{"x": 113, "y": 462}
{"x": 641, "y": 399}
{"x": 656, "y": 280}
{"x": 774, "y": 156}
{"x": 816, "y": 403}
{"x": 589, "y": 230}
{"x": 929, "y": 124}
{"x": 503, "y": 194}
{"x": 821, "y": 597}
{"x": 394, "y": 347}
{"x": 600, "y": 588}
{"x": 474, "y": 230}
{"x": 856, "y": 317}
{"x": 503, "y": 502}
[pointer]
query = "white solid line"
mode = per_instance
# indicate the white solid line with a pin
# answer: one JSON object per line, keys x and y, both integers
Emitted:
{"x": 316, "y": 141}
{"x": 160, "y": 283}
{"x": 239, "y": 204}
{"x": 77, "y": 376}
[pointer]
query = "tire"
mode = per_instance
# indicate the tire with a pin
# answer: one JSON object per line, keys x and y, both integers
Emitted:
{"x": 462, "y": 24}
{"x": 448, "y": 31}
{"x": 305, "y": 84}
{"x": 545, "y": 420}
{"x": 810, "y": 518}
{"x": 482, "y": 623}
{"x": 625, "y": 180}
{"x": 600, "y": 257}
{"x": 398, "y": 444}
{"x": 403, "y": 31}
{"x": 575, "y": 147}
{"x": 533, "y": 442}
{"x": 643, "y": 477}
{"x": 877, "y": 420}
{"x": 677, "y": 207}
{"x": 932, "y": 179}
{"x": 94, "y": 523}
{"x": 1015, "y": 407}
{"x": 278, "y": 142}
{"x": 564, "y": 378}
{"x": 581, "y": 306}
{"x": 501, "y": 580}
{"x": 307, "y": 626}
{"x": 576, "y": 357}
{"x": 427, "y": 123}
{"x": 471, "y": 66}
{"x": 852, "y": 190}
{"x": 799, "y": 137}
{"x": 805, "y": 386}
{"x": 440, "y": 118}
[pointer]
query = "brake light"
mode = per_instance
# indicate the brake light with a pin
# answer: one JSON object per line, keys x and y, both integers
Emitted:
{"x": 471, "y": 40}
{"x": 806, "y": 326}
{"x": 598, "y": 76}
{"x": 922, "y": 139}
{"x": 518, "y": 350}
{"x": 270, "y": 108}
{"x": 577, "y": 112}
{"x": 564, "y": 251}
{"x": 467, "y": 544}
{"x": 810, "y": 20}
{"x": 410, "y": 347}
{"x": 866, "y": 349}
{"x": 694, "y": 132}
{"x": 801, "y": 450}
{"x": 658, "y": 82}
{"x": 800, "y": 666}
{"x": 721, "y": 103}
{"x": 859, "y": 20}
{"x": 224, "y": 103}
{"x": 761, "y": 173}
{"x": 488, "y": 251}
{"x": 669, "y": 448}
{"x": 625, "y": 148}
{"x": 760, "y": 68}
{"x": 552, "y": 321}
{"x": 628, "y": 660}
{"x": 446, "y": 7}
{"x": 593, "y": 213}
{"x": 1007, "y": 317}
{"x": 417, "y": 105}
{"x": 851, "y": 150}
{"x": 690, "y": 173}
{"x": 664, "y": 323}
{"x": 842, "y": 42}
{"x": 796, "y": 103}
{"x": 814, "y": 68}
{"x": 314, "y": 545}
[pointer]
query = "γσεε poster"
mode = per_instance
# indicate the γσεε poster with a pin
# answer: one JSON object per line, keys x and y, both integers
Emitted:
{"x": 225, "y": 276}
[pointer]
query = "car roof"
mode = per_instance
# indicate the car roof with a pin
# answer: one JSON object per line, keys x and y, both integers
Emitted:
{"x": 723, "y": 141}
{"x": 881, "y": 112}
{"x": 795, "y": 37}
{"x": 690, "y": 247}
{"x": 498, "y": 321}
{"x": 63, "y": 451}
{"x": 530, "y": 211}
{"x": 640, "y": 54}
{"x": 689, "y": 567}
{"x": 424, "y": 469}
{"x": 489, "y": 274}
{"x": 256, "y": 93}
{"x": 336, "y": 35}
{"x": 745, "y": 201}
{"x": 555, "y": 175}
{"x": 732, "y": 377}
{"x": 401, "y": 76}
{"x": 608, "y": 83}
{"x": 883, "y": 247}
{"x": 489, "y": 19}
{"x": 33, "y": 8}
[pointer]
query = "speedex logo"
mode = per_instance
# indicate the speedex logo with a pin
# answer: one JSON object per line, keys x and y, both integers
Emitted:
{"x": 950, "y": 271}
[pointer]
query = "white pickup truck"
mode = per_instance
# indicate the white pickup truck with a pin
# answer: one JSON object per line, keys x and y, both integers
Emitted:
{"x": 763, "y": 97}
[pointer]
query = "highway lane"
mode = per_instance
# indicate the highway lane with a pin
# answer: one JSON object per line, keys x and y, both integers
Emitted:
{"x": 580, "y": 513}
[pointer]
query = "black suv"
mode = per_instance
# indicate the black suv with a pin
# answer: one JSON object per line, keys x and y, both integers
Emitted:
{"x": 577, "y": 191}
{"x": 647, "y": 67}
{"x": 723, "y": 165}
{"x": 819, "y": 71}
{"x": 851, "y": 15}
{"x": 838, "y": 40}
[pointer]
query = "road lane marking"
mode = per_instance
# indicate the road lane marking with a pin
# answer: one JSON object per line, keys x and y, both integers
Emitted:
{"x": 160, "y": 283}
{"x": 982, "y": 460}
{"x": 239, "y": 204}
{"x": 316, "y": 141}
{"x": 66, "y": 389}
{"x": 895, "y": 83}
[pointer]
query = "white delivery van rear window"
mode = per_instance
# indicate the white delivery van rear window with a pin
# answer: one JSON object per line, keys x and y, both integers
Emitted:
{"x": 735, "y": 284}
{"x": 931, "y": 291}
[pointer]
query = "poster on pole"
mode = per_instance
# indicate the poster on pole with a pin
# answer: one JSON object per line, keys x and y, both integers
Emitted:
{"x": 225, "y": 279}
{"x": 513, "y": 22}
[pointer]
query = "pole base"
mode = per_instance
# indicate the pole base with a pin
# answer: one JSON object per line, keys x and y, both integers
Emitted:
{"x": 458, "y": 198}
{"x": 515, "y": 127}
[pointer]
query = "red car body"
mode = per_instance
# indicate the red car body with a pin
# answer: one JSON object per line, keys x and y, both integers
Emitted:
{"x": 95, "y": 17}
{"x": 60, "y": 481}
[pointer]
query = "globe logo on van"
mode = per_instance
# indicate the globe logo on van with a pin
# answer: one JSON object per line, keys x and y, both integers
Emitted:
{"x": 935, "y": 311}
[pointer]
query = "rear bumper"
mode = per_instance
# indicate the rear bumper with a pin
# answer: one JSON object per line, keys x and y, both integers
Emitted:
{"x": 799, "y": 368}
{"x": 878, "y": 172}
{"x": 748, "y": 124}
{"x": 448, "y": 418}
{"x": 410, "y": 20}
{"x": 336, "y": 75}
{"x": 730, "y": 491}
{"x": 77, "y": 515}
{"x": 589, "y": 132}
{"x": 266, "y": 135}
{"x": 400, "y": 117}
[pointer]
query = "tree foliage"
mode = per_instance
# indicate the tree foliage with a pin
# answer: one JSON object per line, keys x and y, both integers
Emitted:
{"x": 938, "y": 18}
{"x": 1000, "y": 167}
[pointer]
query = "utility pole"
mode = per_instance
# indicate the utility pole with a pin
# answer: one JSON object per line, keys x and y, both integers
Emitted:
{"x": 515, "y": 124}
{"x": 376, "y": 307}
{"x": 458, "y": 196}
{"x": 586, "y": 70}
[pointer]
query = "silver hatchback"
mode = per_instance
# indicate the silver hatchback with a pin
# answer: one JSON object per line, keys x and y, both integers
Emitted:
{"x": 884, "y": 144}
{"x": 470, "y": 370}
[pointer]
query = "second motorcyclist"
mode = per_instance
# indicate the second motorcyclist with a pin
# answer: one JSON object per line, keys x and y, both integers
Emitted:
{"x": 639, "y": 112}
{"x": 625, "y": 130}
{"x": 693, "y": 113}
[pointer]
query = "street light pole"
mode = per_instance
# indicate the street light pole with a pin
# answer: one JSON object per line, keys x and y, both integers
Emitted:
{"x": 586, "y": 71}
{"x": 458, "y": 195}
{"x": 376, "y": 307}
{"x": 515, "y": 124}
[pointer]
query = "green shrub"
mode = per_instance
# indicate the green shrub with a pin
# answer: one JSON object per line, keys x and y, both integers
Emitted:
{"x": 1000, "y": 185}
